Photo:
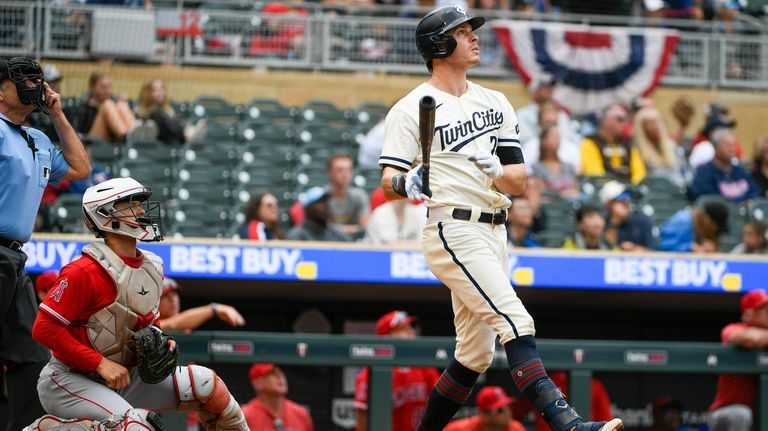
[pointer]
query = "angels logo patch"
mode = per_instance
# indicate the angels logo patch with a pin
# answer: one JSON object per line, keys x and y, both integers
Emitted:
{"x": 57, "y": 291}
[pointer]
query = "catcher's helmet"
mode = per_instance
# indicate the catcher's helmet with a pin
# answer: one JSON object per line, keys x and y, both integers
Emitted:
{"x": 432, "y": 38}
{"x": 21, "y": 69}
{"x": 102, "y": 216}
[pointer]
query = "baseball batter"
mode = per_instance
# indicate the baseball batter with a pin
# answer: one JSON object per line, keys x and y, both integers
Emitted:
{"x": 475, "y": 159}
{"x": 88, "y": 320}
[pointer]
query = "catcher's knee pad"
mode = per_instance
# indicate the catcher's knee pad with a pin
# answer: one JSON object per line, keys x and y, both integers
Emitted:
{"x": 218, "y": 409}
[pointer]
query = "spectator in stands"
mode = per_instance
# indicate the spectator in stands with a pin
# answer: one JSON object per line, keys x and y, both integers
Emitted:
{"x": 558, "y": 176}
{"x": 154, "y": 105}
{"x": 606, "y": 153}
{"x": 590, "y": 230}
{"x": 394, "y": 222}
{"x": 568, "y": 150}
{"x": 600, "y": 401}
{"x": 44, "y": 282}
{"x": 349, "y": 205}
{"x": 667, "y": 414}
{"x": 270, "y": 410}
{"x": 760, "y": 165}
{"x": 411, "y": 386}
{"x": 662, "y": 155}
{"x": 533, "y": 188}
{"x": 541, "y": 91}
{"x": 679, "y": 9}
{"x": 736, "y": 399}
{"x": 495, "y": 413}
{"x": 101, "y": 115}
{"x": 317, "y": 225}
{"x": 754, "y": 240}
{"x": 626, "y": 230}
{"x": 171, "y": 316}
{"x": 519, "y": 224}
{"x": 722, "y": 176}
{"x": 698, "y": 229}
{"x": 262, "y": 218}
{"x": 490, "y": 4}
{"x": 702, "y": 149}
{"x": 370, "y": 147}
{"x": 279, "y": 38}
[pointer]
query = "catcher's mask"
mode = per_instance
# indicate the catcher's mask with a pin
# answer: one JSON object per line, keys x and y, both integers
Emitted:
{"x": 19, "y": 70}
{"x": 101, "y": 214}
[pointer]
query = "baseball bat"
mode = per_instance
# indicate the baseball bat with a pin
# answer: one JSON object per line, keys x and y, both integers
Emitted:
{"x": 426, "y": 133}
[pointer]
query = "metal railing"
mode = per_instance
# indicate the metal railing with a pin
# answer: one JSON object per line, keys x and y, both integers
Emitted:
{"x": 580, "y": 357}
{"x": 356, "y": 41}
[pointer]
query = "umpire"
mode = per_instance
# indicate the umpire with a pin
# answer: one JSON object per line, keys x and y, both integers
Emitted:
{"x": 28, "y": 161}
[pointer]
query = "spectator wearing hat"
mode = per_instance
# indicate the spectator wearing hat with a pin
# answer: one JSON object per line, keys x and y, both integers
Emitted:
{"x": 171, "y": 316}
{"x": 495, "y": 413}
{"x": 702, "y": 148}
{"x": 607, "y": 153}
{"x": 667, "y": 414}
{"x": 698, "y": 229}
{"x": 44, "y": 282}
{"x": 626, "y": 229}
{"x": 270, "y": 410}
{"x": 317, "y": 224}
{"x": 411, "y": 386}
{"x": 736, "y": 398}
{"x": 722, "y": 176}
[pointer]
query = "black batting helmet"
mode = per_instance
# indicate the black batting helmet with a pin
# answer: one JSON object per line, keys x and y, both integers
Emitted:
{"x": 432, "y": 38}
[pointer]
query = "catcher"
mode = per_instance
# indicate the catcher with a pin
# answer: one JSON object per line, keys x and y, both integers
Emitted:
{"x": 110, "y": 363}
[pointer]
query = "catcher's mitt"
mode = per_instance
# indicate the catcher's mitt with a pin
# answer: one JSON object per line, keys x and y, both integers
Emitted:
{"x": 154, "y": 360}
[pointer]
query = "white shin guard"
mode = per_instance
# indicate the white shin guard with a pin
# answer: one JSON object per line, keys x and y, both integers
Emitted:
{"x": 200, "y": 388}
{"x": 132, "y": 420}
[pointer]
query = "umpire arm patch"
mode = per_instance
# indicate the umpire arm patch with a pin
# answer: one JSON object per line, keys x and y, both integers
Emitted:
{"x": 510, "y": 155}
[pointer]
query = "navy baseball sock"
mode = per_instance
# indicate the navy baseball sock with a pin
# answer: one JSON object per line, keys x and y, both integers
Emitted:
{"x": 449, "y": 394}
{"x": 531, "y": 378}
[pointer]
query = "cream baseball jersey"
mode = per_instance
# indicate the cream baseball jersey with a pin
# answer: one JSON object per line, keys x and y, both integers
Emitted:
{"x": 479, "y": 119}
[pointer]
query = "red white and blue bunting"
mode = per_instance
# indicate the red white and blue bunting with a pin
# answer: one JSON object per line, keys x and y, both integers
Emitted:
{"x": 593, "y": 66}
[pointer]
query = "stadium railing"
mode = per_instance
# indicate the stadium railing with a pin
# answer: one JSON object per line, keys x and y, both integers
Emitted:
{"x": 378, "y": 40}
{"x": 580, "y": 357}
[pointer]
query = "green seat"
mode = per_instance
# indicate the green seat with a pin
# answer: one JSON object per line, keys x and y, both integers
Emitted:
{"x": 216, "y": 110}
{"x": 370, "y": 113}
{"x": 66, "y": 214}
{"x": 323, "y": 112}
{"x": 270, "y": 111}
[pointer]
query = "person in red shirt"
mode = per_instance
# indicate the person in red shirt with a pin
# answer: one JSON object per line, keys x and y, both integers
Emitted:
{"x": 45, "y": 282}
{"x": 495, "y": 413}
{"x": 410, "y": 386}
{"x": 89, "y": 317}
{"x": 270, "y": 410}
{"x": 736, "y": 398}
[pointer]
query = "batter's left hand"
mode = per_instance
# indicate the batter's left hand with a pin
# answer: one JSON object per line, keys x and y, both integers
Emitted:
{"x": 488, "y": 163}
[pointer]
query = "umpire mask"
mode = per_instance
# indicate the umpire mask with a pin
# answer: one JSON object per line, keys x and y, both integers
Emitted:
{"x": 19, "y": 70}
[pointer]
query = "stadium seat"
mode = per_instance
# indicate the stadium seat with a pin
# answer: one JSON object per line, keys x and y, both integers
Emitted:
{"x": 270, "y": 110}
{"x": 323, "y": 112}
{"x": 66, "y": 214}
{"x": 759, "y": 210}
{"x": 154, "y": 150}
{"x": 105, "y": 155}
{"x": 370, "y": 113}
{"x": 216, "y": 110}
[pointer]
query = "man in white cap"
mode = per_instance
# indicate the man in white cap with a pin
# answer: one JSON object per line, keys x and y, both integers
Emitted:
{"x": 629, "y": 230}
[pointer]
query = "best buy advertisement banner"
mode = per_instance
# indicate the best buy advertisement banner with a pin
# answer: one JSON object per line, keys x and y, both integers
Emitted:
{"x": 339, "y": 263}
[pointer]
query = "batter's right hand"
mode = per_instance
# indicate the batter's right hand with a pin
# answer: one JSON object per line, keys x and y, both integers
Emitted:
{"x": 413, "y": 184}
{"x": 116, "y": 375}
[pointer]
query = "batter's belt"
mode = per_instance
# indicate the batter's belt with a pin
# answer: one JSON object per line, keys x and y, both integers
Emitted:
{"x": 474, "y": 214}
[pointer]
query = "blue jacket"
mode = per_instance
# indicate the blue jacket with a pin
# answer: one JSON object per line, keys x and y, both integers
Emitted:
{"x": 676, "y": 234}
